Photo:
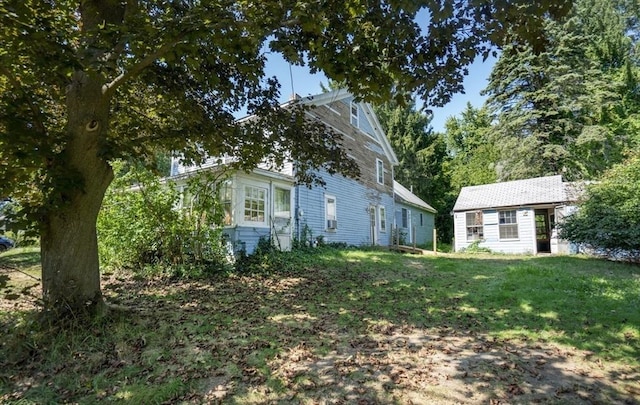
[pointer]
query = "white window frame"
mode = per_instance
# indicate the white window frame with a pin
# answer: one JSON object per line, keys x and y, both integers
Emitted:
{"x": 264, "y": 200}
{"x": 355, "y": 118}
{"x": 281, "y": 214}
{"x": 379, "y": 171}
{"x": 405, "y": 220}
{"x": 508, "y": 220}
{"x": 382, "y": 218}
{"x": 479, "y": 228}
{"x": 226, "y": 199}
{"x": 327, "y": 215}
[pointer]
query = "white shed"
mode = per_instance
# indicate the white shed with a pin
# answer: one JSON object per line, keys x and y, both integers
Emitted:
{"x": 518, "y": 216}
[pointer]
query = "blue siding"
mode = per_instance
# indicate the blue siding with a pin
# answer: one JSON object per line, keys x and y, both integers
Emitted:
{"x": 352, "y": 202}
{"x": 423, "y": 233}
{"x": 245, "y": 237}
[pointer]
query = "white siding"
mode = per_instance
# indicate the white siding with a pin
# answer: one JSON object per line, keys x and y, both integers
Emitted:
{"x": 526, "y": 242}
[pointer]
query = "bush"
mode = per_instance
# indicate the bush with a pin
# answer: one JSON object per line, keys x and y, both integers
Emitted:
{"x": 476, "y": 248}
{"x": 144, "y": 225}
{"x": 608, "y": 221}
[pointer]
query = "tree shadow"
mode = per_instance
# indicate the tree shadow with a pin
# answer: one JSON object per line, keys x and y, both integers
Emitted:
{"x": 353, "y": 329}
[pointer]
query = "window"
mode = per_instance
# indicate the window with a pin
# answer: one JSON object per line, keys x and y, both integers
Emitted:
{"x": 382, "y": 212}
{"x": 421, "y": 221}
{"x": 380, "y": 171}
{"x": 282, "y": 203}
{"x": 355, "y": 119}
{"x": 405, "y": 218}
{"x": 226, "y": 193}
{"x": 508, "y": 222}
{"x": 330, "y": 211}
{"x": 474, "y": 226}
{"x": 254, "y": 204}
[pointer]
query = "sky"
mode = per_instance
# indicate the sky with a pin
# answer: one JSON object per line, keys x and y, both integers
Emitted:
{"x": 304, "y": 84}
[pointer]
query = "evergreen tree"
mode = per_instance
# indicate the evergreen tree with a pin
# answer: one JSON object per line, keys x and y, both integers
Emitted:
{"x": 551, "y": 106}
{"x": 471, "y": 144}
{"x": 421, "y": 154}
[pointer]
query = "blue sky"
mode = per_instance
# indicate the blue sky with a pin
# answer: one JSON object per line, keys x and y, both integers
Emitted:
{"x": 304, "y": 84}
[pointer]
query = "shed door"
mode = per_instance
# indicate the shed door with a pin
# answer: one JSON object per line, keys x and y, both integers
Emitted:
{"x": 543, "y": 231}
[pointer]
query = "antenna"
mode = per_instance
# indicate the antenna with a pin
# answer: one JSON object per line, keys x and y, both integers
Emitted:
{"x": 293, "y": 91}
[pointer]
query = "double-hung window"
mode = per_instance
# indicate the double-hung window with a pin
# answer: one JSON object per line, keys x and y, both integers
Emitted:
{"x": 380, "y": 171}
{"x": 475, "y": 230}
{"x": 382, "y": 212}
{"x": 508, "y": 222}
{"x": 330, "y": 212}
{"x": 355, "y": 114}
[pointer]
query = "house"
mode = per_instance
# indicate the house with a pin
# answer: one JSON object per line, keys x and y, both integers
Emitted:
{"x": 414, "y": 218}
{"x": 363, "y": 211}
{"x": 514, "y": 217}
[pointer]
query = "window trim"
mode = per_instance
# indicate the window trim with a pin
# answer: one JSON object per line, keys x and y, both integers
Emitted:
{"x": 382, "y": 218}
{"x": 354, "y": 117}
{"x": 405, "y": 219}
{"x": 480, "y": 227}
{"x": 379, "y": 171}
{"x": 264, "y": 205}
{"x": 279, "y": 214}
{"x": 508, "y": 225}
{"x": 327, "y": 217}
{"x": 226, "y": 190}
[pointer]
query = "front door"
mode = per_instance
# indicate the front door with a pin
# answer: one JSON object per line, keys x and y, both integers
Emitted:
{"x": 373, "y": 220}
{"x": 543, "y": 231}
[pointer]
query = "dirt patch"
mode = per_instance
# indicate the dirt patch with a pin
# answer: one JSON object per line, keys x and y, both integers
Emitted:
{"x": 446, "y": 367}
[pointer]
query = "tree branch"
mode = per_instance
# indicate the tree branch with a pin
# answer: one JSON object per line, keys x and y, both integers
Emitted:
{"x": 109, "y": 88}
{"x": 38, "y": 122}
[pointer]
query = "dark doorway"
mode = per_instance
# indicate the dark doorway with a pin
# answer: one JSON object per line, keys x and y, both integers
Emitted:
{"x": 543, "y": 231}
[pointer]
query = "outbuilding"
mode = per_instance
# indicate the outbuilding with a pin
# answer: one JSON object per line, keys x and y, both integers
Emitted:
{"x": 520, "y": 216}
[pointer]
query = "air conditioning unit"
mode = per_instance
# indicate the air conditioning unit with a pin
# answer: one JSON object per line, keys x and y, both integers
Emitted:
{"x": 332, "y": 224}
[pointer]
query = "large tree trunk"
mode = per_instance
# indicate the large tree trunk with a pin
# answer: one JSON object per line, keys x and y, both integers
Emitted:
{"x": 70, "y": 267}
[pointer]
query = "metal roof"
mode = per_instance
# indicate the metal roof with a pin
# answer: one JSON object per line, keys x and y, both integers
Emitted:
{"x": 539, "y": 190}
{"x": 405, "y": 196}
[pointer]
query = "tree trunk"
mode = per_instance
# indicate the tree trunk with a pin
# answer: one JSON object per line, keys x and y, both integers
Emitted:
{"x": 70, "y": 267}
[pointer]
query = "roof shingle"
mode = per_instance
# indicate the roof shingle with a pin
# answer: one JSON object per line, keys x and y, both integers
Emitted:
{"x": 539, "y": 190}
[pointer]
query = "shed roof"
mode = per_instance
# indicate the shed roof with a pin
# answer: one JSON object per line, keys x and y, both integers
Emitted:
{"x": 404, "y": 195}
{"x": 539, "y": 190}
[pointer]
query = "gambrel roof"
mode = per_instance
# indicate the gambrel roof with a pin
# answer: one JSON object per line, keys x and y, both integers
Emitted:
{"x": 536, "y": 191}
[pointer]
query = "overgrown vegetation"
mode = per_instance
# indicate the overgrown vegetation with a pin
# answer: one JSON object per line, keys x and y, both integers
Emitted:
{"x": 608, "y": 221}
{"x": 148, "y": 225}
{"x": 344, "y": 325}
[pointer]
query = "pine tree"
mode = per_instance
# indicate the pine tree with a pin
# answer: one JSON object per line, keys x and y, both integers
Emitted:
{"x": 422, "y": 155}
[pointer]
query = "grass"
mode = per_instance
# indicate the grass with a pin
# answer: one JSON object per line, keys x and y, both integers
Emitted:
{"x": 344, "y": 325}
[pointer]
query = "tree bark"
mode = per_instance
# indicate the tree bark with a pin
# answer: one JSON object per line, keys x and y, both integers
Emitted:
{"x": 69, "y": 245}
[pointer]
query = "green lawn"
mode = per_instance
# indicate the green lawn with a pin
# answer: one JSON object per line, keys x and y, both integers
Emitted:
{"x": 350, "y": 326}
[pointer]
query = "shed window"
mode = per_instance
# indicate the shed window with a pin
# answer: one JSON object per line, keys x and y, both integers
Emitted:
{"x": 475, "y": 230}
{"x": 508, "y": 221}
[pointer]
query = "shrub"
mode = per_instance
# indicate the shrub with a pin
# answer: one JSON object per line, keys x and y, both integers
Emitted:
{"x": 608, "y": 221}
{"x": 146, "y": 225}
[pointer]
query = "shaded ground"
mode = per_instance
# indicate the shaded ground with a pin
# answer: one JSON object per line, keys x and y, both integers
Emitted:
{"x": 359, "y": 329}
